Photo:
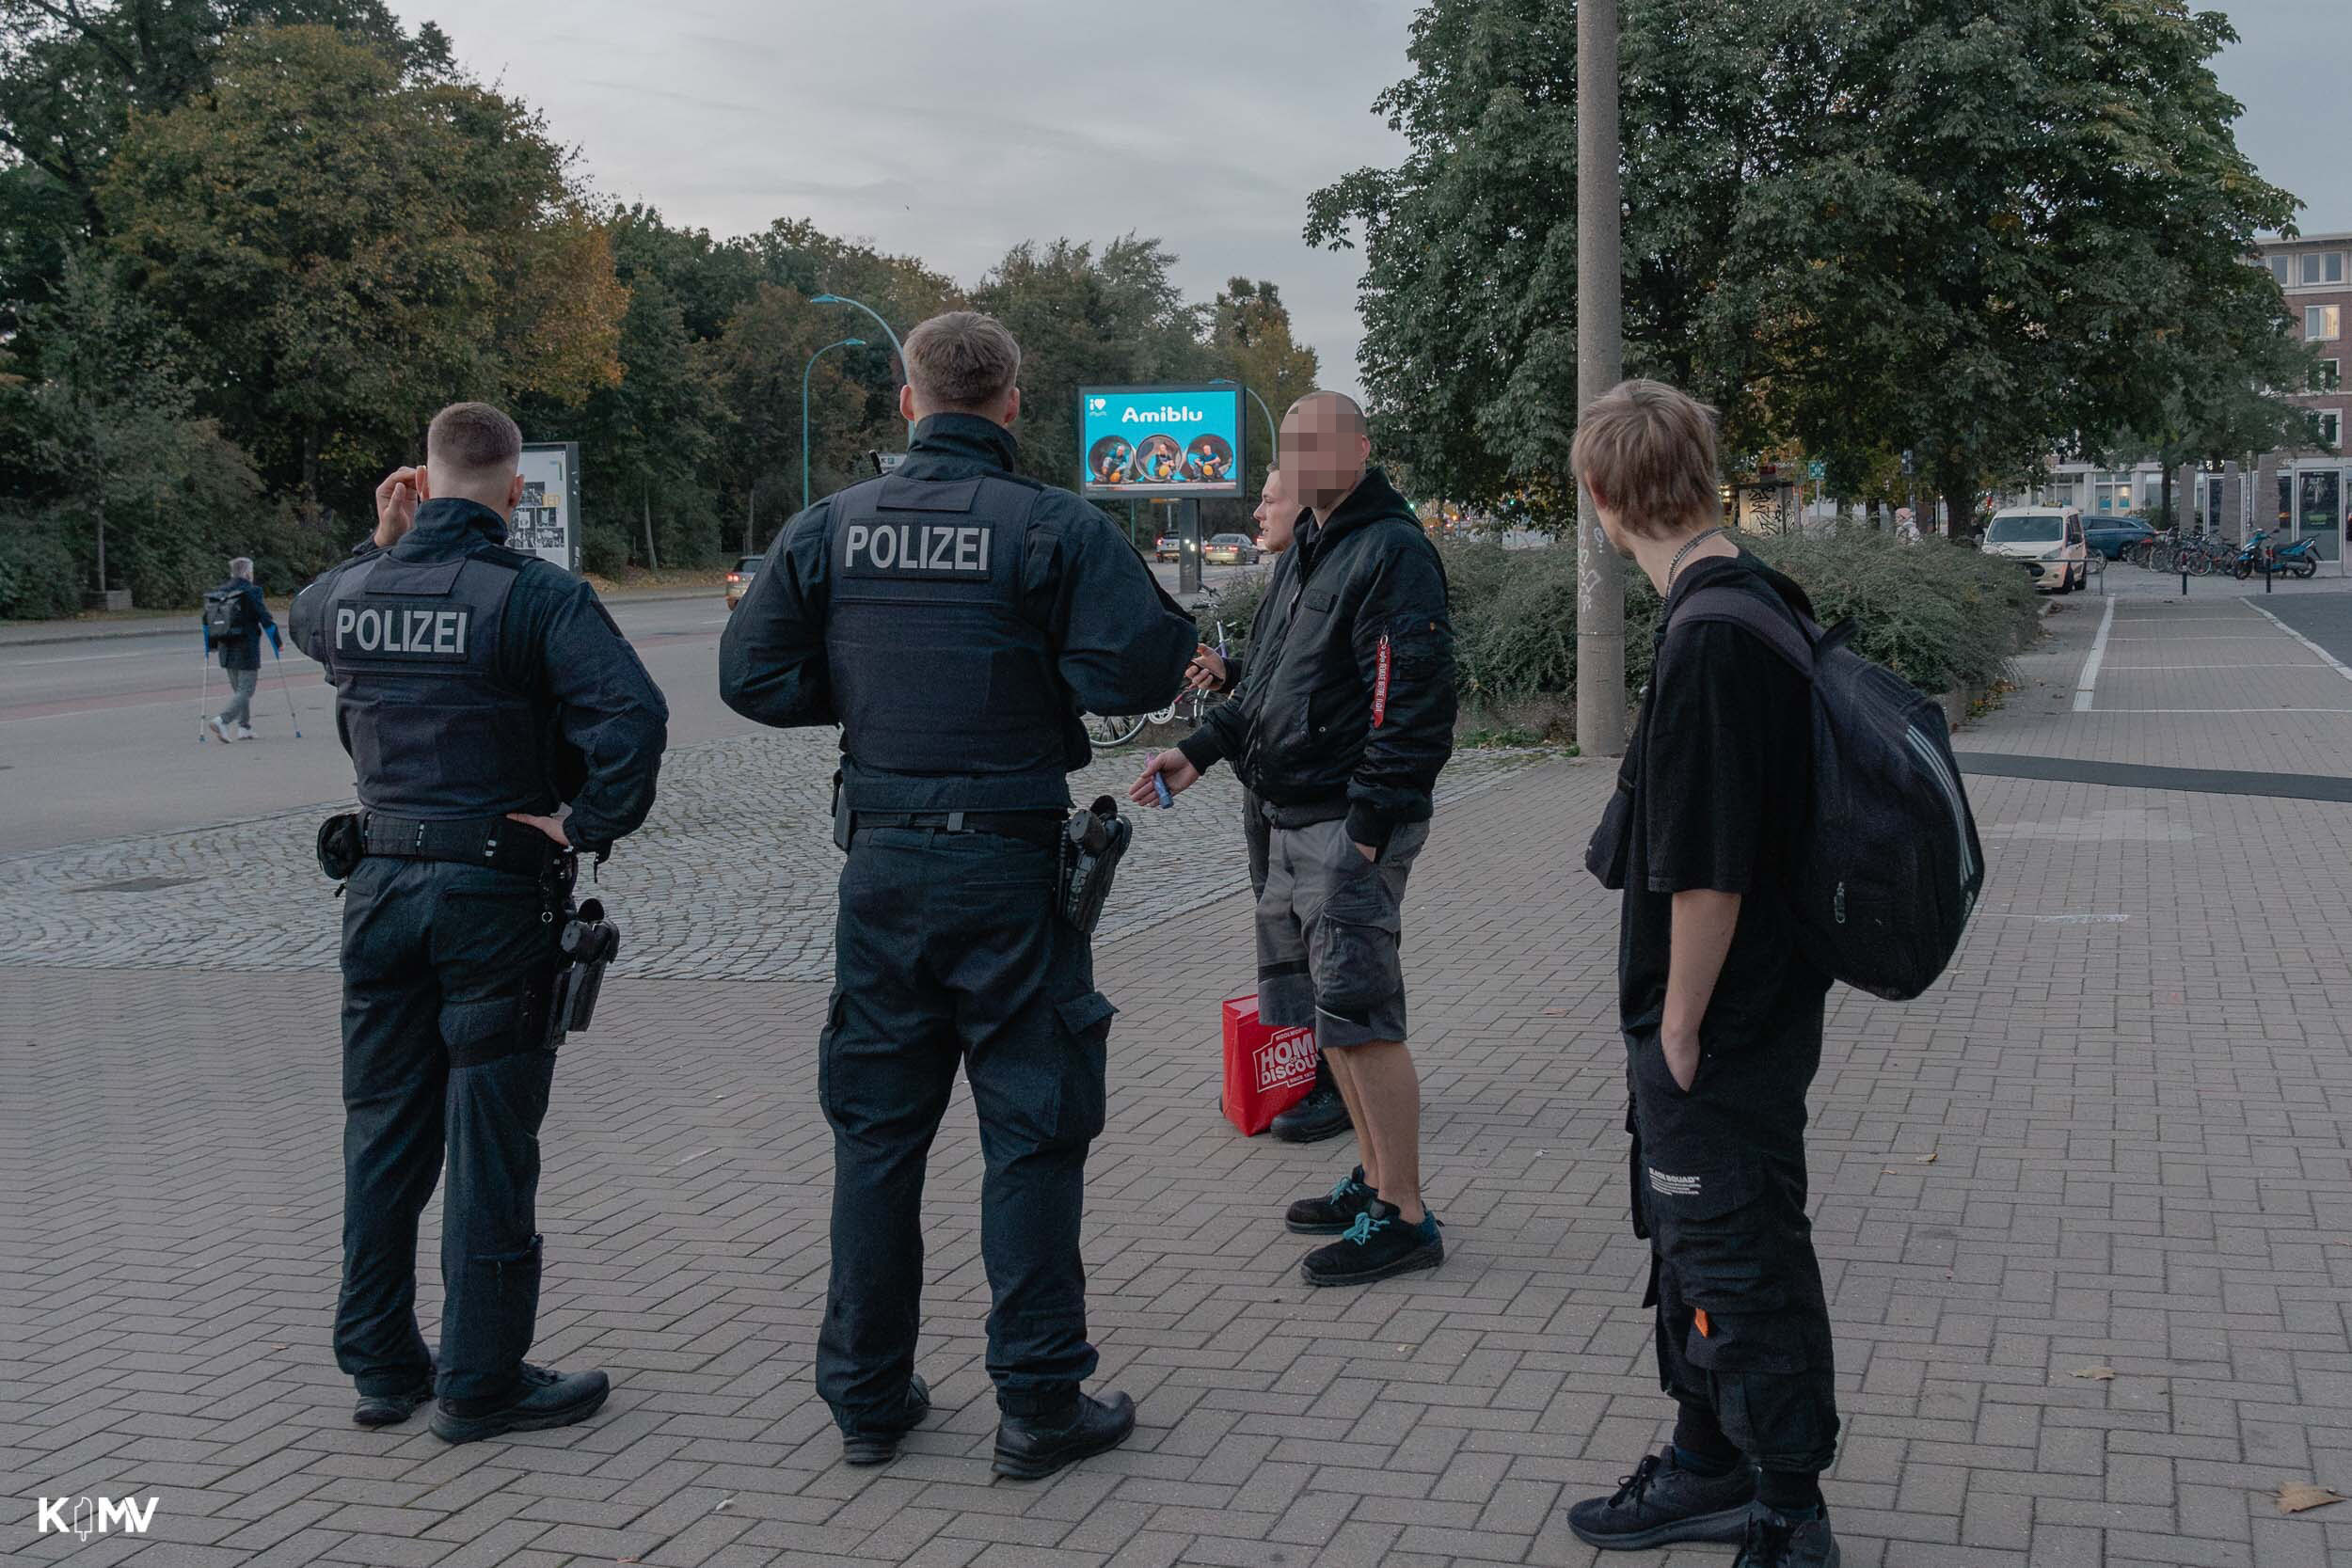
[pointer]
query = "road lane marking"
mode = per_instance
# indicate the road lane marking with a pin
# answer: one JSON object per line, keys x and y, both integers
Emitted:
{"x": 84, "y": 659}
{"x": 2332, "y": 662}
{"x": 2089, "y": 680}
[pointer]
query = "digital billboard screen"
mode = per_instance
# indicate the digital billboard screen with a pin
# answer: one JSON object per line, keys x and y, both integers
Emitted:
{"x": 1159, "y": 441}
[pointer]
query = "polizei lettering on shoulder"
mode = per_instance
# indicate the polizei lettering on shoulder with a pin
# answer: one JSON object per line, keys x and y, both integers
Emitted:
{"x": 957, "y": 551}
{"x": 433, "y": 630}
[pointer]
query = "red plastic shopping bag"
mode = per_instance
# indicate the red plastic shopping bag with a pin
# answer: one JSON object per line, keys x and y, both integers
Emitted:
{"x": 1267, "y": 1070}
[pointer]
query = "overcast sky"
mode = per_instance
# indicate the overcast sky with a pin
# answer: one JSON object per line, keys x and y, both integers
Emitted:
{"x": 953, "y": 129}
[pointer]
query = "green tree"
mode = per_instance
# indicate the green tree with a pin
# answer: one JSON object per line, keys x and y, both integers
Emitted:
{"x": 1249, "y": 338}
{"x": 350, "y": 242}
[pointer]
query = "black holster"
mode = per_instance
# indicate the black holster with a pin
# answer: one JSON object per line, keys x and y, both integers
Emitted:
{"x": 588, "y": 943}
{"x": 1091, "y": 846}
{"x": 342, "y": 846}
{"x": 842, "y": 821}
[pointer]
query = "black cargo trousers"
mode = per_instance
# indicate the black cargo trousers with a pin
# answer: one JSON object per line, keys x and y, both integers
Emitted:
{"x": 1719, "y": 1189}
{"x": 949, "y": 949}
{"x": 446, "y": 972}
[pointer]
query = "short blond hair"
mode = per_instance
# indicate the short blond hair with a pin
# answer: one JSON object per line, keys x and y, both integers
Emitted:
{"x": 962, "y": 361}
{"x": 1648, "y": 451}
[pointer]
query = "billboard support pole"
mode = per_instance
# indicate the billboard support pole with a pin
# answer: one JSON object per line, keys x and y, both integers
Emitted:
{"x": 1189, "y": 545}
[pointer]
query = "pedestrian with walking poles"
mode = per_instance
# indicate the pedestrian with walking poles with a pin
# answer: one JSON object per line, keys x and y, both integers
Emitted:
{"x": 236, "y": 618}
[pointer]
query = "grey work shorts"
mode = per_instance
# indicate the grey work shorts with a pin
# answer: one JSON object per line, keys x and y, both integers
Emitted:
{"x": 1328, "y": 923}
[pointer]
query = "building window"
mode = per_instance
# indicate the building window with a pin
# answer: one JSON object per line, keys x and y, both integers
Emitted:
{"x": 2327, "y": 427}
{"x": 2283, "y": 268}
{"x": 2325, "y": 376}
{"x": 2111, "y": 493}
{"x": 2322, "y": 323}
{"x": 2322, "y": 267}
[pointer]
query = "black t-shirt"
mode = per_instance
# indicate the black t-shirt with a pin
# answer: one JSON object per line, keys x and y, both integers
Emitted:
{"x": 1719, "y": 774}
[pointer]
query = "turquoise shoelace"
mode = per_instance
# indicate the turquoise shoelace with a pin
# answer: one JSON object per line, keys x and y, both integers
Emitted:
{"x": 1360, "y": 1232}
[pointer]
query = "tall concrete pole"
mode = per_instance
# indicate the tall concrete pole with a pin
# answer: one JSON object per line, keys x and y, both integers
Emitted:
{"x": 1600, "y": 707}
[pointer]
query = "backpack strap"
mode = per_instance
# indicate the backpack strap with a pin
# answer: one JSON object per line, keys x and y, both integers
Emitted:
{"x": 1778, "y": 628}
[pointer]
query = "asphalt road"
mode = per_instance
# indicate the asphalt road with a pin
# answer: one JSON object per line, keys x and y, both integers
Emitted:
{"x": 99, "y": 737}
{"x": 2325, "y": 618}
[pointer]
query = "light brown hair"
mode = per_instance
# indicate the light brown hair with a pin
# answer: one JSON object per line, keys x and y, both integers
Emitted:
{"x": 1648, "y": 451}
{"x": 475, "y": 440}
{"x": 962, "y": 362}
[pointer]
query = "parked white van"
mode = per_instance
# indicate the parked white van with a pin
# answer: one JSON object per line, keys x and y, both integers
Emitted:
{"x": 2048, "y": 540}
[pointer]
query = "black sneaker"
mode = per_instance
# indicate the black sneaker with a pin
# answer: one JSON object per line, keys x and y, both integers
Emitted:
{"x": 1334, "y": 1213}
{"x": 1776, "y": 1542}
{"x": 1661, "y": 1503}
{"x": 384, "y": 1410}
{"x": 881, "y": 1448}
{"x": 1378, "y": 1244}
{"x": 1029, "y": 1447}
{"x": 1322, "y": 1114}
{"x": 544, "y": 1399}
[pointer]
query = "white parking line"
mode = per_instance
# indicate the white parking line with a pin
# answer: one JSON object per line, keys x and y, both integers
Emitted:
{"x": 2089, "y": 681}
{"x": 2331, "y": 659}
{"x": 84, "y": 659}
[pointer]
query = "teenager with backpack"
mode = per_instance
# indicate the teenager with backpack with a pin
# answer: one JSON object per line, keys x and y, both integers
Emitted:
{"x": 236, "y": 618}
{"x": 1721, "y": 1012}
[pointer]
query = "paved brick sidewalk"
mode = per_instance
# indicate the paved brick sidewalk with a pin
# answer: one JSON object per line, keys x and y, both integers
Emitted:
{"x": 2115, "y": 1136}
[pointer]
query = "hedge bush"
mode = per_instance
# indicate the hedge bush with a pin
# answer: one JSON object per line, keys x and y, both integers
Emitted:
{"x": 1941, "y": 617}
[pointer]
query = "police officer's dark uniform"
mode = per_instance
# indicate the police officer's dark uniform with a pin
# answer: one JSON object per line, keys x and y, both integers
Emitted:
{"x": 954, "y": 619}
{"x": 470, "y": 681}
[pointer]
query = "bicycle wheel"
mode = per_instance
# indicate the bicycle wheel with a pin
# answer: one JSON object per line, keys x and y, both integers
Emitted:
{"x": 1112, "y": 729}
{"x": 2200, "y": 563}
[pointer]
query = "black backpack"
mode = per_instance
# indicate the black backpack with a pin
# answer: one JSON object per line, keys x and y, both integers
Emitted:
{"x": 1888, "y": 866}
{"x": 226, "y": 616}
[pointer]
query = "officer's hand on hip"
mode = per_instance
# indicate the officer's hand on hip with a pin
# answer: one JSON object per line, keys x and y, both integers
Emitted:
{"x": 395, "y": 506}
{"x": 1170, "y": 766}
{"x": 551, "y": 825}
{"x": 1207, "y": 671}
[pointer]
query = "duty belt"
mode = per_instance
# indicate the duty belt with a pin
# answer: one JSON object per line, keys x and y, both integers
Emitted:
{"x": 1038, "y": 828}
{"x": 495, "y": 842}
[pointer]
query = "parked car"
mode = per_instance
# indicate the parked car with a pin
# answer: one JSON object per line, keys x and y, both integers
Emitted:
{"x": 1169, "y": 548}
{"x": 2112, "y": 536}
{"x": 2047, "y": 540}
{"x": 1231, "y": 550}
{"x": 739, "y": 581}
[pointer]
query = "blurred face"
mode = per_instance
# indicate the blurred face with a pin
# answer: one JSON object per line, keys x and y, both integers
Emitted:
{"x": 1321, "y": 460}
{"x": 1278, "y": 514}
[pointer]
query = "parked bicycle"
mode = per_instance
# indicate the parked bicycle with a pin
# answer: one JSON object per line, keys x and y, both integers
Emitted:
{"x": 1189, "y": 707}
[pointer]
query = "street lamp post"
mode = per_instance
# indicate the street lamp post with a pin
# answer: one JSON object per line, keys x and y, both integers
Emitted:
{"x": 1274, "y": 439}
{"x": 1600, "y": 707}
{"x": 805, "y": 370}
{"x": 837, "y": 299}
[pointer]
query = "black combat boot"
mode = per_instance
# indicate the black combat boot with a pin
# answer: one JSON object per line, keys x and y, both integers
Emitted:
{"x": 1031, "y": 1446}
{"x": 544, "y": 1399}
{"x": 384, "y": 1410}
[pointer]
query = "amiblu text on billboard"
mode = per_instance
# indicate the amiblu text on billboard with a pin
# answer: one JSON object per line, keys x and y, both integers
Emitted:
{"x": 1160, "y": 441}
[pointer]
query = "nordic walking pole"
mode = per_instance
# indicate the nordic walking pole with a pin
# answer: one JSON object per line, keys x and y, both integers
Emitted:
{"x": 204, "y": 690}
{"x": 280, "y": 660}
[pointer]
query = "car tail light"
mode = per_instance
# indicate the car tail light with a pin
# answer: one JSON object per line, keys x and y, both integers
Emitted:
{"x": 735, "y": 576}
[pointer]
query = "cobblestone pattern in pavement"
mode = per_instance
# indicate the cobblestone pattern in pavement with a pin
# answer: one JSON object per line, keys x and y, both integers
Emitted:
{"x": 732, "y": 877}
{"x": 2115, "y": 1136}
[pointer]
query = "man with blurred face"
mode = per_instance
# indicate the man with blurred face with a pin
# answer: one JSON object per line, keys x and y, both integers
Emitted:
{"x": 1340, "y": 728}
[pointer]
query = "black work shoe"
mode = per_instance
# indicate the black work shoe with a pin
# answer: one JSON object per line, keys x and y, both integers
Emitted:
{"x": 1333, "y": 1213}
{"x": 384, "y": 1410}
{"x": 1378, "y": 1244}
{"x": 1030, "y": 1447}
{"x": 1322, "y": 1114}
{"x": 1776, "y": 1542}
{"x": 881, "y": 1448}
{"x": 1661, "y": 1503}
{"x": 544, "y": 1399}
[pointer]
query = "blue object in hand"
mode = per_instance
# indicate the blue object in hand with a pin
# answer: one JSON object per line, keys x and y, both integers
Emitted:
{"x": 1159, "y": 787}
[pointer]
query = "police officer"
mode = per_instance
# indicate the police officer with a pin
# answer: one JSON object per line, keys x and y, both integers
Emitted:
{"x": 953, "y": 619}
{"x": 478, "y": 691}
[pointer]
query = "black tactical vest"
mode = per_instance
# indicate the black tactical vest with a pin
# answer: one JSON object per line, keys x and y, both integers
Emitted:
{"x": 948, "y": 694}
{"x": 412, "y": 647}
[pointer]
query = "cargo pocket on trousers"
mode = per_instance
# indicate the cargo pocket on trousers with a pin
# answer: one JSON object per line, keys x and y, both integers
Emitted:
{"x": 1086, "y": 1027}
{"x": 825, "y": 1037}
{"x": 1352, "y": 952}
{"x": 484, "y": 1030}
{"x": 1708, "y": 1225}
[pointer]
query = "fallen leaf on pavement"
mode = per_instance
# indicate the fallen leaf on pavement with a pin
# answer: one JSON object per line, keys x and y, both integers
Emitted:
{"x": 2298, "y": 1497}
{"x": 1927, "y": 1159}
{"x": 2100, "y": 1374}
{"x": 1555, "y": 1012}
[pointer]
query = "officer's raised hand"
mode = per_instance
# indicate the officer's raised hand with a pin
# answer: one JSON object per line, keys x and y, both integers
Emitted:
{"x": 1172, "y": 768}
{"x": 396, "y": 505}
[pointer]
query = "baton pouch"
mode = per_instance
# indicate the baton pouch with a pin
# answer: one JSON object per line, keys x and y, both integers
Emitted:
{"x": 588, "y": 943}
{"x": 842, "y": 823}
{"x": 1091, "y": 846}
{"x": 342, "y": 846}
